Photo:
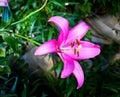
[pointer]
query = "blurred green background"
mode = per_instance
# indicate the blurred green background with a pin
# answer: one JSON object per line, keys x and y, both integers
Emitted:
{"x": 23, "y": 25}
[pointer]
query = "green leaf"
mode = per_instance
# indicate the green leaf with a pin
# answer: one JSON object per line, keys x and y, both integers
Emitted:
{"x": 50, "y": 34}
{"x": 85, "y": 1}
{"x": 11, "y": 41}
{"x": 9, "y": 95}
{"x": 2, "y": 52}
{"x": 14, "y": 85}
{"x": 34, "y": 88}
{"x": 44, "y": 95}
{"x": 4, "y": 69}
{"x": 71, "y": 89}
{"x": 88, "y": 35}
{"x": 59, "y": 68}
{"x": 3, "y": 78}
{"x": 57, "y": 4}
{"x": 24, "y": 92}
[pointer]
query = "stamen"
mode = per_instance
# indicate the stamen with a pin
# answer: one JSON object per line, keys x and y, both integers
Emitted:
{"x": 78, "y": 53}
{"x": 75, "y": 51}
{"x": 72, "y": 44}
{"x": 77, "y": 42}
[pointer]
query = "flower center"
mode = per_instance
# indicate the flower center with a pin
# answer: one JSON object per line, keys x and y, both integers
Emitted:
{"x": 76, "y": 49}
{"x": 73, "y": 48}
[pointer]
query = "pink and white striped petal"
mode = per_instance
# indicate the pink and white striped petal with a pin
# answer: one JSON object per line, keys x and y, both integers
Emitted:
{"x": 68, "y": 66}
{"x": 47, "y": 48}
{"x": 77, "y": 32}
{"x": 87, "y": 50}
{"x": 78, "y": 73}
{"x": 63, "y": 26}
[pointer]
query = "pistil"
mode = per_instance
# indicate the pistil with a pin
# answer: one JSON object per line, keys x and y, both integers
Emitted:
{"x": 74, "y": 48}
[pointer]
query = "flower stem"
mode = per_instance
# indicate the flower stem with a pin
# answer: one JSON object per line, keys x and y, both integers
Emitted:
{"x": 31, "y": 14}
{"x": 30, "y": 40}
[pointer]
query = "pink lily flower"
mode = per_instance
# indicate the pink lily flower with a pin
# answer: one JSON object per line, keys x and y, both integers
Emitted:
{"x": 70, "y": 48}
{"x": 3, "y": 2}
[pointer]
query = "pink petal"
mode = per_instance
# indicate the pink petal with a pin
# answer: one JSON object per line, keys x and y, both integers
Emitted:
{"x": 46, "y": 48}
{"x": 63, "y": 26}
{"x": 87, "y": 50}
{"x": 78, "y": 73}
{"x": 3, "y": 3}
{"x": 77, "y": 32}
{"x": 68, "y": 66}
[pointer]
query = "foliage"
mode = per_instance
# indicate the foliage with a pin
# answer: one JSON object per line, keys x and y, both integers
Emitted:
{"x": 25, "y": 22}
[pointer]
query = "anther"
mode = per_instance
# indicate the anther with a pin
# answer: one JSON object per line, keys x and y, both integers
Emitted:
{"x": 78, "y": 53}
{"x": 77, "y": 42}
{"x": 72, "y": 44}
{"x": 75, "y": 51}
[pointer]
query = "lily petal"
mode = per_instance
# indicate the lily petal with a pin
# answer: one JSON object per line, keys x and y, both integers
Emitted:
{"x": 68, "y": 66}
{"x": 46, "y": 48}
{"x": 78, "y": 73}
{"x": 3, "y": 3}
{"x": 87, "y": 50}
{"x": 77, "y": 32}
{"x": 63, "y": 26}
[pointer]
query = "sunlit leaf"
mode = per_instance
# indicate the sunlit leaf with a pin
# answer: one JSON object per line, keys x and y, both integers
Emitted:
{"x": 2, "y": 52}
